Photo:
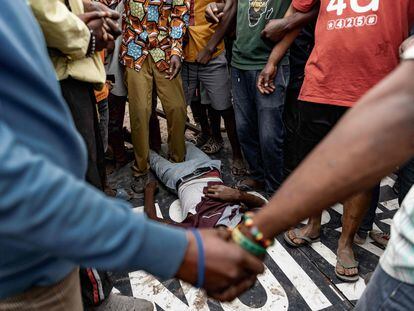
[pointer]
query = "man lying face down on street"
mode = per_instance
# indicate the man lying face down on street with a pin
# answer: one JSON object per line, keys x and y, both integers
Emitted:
{"x": 205, "y": 201}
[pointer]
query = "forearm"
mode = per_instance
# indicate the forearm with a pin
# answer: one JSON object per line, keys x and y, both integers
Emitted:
{"x": 298, "y": 19}
{"x": 62, "y": 216}
{"x": 251, "y": 200}
{"x": 178, "y": 16}
{"x": 149, "y": 203}
{"x": 225, "y": 25}
{"x": 280, "y": 49}
{"x": 368, "y": 143}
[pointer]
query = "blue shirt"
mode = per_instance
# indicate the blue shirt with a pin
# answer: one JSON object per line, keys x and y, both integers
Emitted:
{"x": 50, "y": 219}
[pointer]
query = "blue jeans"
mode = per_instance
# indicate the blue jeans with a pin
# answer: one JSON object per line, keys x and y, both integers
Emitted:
{"x": 170, "y": 173}
{"x": 103, "y": 121}
{"x": 259, "y": 124}
{"x": 369, "y": 218}
{"x": 386, "y": 293}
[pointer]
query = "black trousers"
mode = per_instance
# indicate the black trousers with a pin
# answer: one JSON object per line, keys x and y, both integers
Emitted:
{"x": 80, "y": 97}
{"x": 81, "y": 100}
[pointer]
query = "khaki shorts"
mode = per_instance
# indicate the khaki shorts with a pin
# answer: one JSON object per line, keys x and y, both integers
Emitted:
{"x": 62, "y": 296}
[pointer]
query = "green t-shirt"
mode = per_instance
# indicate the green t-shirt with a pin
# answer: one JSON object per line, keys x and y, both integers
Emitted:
{"x": 250, "y": 52}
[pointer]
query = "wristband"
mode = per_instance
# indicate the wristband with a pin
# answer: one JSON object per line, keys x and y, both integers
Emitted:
{"x": 201, "y": 267}
{"x": 247, "y": 244}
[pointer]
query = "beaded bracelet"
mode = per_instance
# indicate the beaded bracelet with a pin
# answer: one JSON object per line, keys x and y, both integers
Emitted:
{"x": 92, "y": 44}
{"x": 247, "y": 244}
{"x": 255, "y": 232}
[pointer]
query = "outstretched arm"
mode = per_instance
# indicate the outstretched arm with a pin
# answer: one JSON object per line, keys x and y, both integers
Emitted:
{"x": 369, "y": 142}
{"x": 231, "y": 195}
{"x": 149, "y": 203}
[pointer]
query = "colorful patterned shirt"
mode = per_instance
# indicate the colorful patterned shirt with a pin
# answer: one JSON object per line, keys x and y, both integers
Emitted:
{"x": 155, "y": 27}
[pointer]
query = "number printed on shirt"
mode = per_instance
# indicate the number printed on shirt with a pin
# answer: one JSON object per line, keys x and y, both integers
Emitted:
{"x": 340, "y": 5}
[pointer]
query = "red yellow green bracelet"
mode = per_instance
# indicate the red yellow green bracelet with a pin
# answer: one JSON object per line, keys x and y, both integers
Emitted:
{"x": 244, "y": 242}
{"x": 255, "y": 232}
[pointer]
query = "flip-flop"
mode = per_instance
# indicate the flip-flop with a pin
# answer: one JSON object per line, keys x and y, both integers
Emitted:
{"x": 380, "y": 237}
{"x": 347, "y": 278}
{"x": 307, "y": 240}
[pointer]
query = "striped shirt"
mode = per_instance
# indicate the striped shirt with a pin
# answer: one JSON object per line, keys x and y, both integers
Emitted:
{"x": 398, "y": 259}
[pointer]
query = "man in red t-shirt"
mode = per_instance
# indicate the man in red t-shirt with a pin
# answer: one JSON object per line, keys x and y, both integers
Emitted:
{"x": 356, "y": 45}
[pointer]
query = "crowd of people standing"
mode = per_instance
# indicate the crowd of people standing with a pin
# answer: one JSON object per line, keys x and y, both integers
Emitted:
{"x": 291, "y": 81}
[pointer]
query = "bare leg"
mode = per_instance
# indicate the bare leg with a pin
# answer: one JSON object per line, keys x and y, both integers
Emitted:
{"x": 215, "y": 120}
{"x": 200, "y": 114}
{"x": 354, "y": 210}
{"x": 230, "y": 123}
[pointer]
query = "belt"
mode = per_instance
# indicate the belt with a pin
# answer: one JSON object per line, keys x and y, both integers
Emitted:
{"x": 197, "y": 173}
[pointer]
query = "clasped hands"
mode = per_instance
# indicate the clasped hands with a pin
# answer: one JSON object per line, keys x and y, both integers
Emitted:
{"x": 229, "y": 269}
{"x": 103, "y": 22}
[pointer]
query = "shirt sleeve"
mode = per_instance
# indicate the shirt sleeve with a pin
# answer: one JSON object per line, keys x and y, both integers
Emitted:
{"x": 62, "y": 29}
{"x": 46, "y": 207}
{"x": 304, "y": 5}
{"x": 180, "y": 16}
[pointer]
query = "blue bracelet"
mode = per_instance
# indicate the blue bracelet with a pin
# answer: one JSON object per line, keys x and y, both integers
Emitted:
{"x": 201, "y": 267}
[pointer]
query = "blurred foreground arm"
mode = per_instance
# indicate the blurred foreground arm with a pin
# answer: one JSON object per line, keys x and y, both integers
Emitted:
{"x": 369, "y": 142}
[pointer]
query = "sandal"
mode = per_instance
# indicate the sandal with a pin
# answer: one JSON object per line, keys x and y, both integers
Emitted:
{"x": 306, "y": 240}
{"x": 199, "y": 140}
{"x": 347, "y": 278}
{"x": 212, "y": 146}
{"x": 380, "y": 237}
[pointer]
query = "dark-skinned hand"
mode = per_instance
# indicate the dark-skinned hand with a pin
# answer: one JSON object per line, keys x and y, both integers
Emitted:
{"x": 205, "y": 55}
{"x": 111, "y": 24}
{"x": 265, "y": 81}
{"x": 275, "y": 30}
{"x": 214, "y": 12}
{"x": 175, "y": 67}
{"x": 223, "y": 193}
{"x": 230, "y": 270}
{"x": 95, "y": 21}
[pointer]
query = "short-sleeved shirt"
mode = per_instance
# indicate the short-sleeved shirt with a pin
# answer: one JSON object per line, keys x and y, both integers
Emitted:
{"x": 199, "y": 31}
{"x": 356, "y": 45}
{"x": 250, "y": 52}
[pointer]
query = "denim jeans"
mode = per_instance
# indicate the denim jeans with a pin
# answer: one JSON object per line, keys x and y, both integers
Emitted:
{"x": 103, "y": 121}
{"x": 369, "y": 218}
{"x": 386, "y": 293}
{"x": 170, "y": 173}
{"x": 260, "y": 124}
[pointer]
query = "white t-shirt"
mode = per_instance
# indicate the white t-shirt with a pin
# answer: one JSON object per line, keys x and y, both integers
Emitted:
{"x": 190, "y": 193}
